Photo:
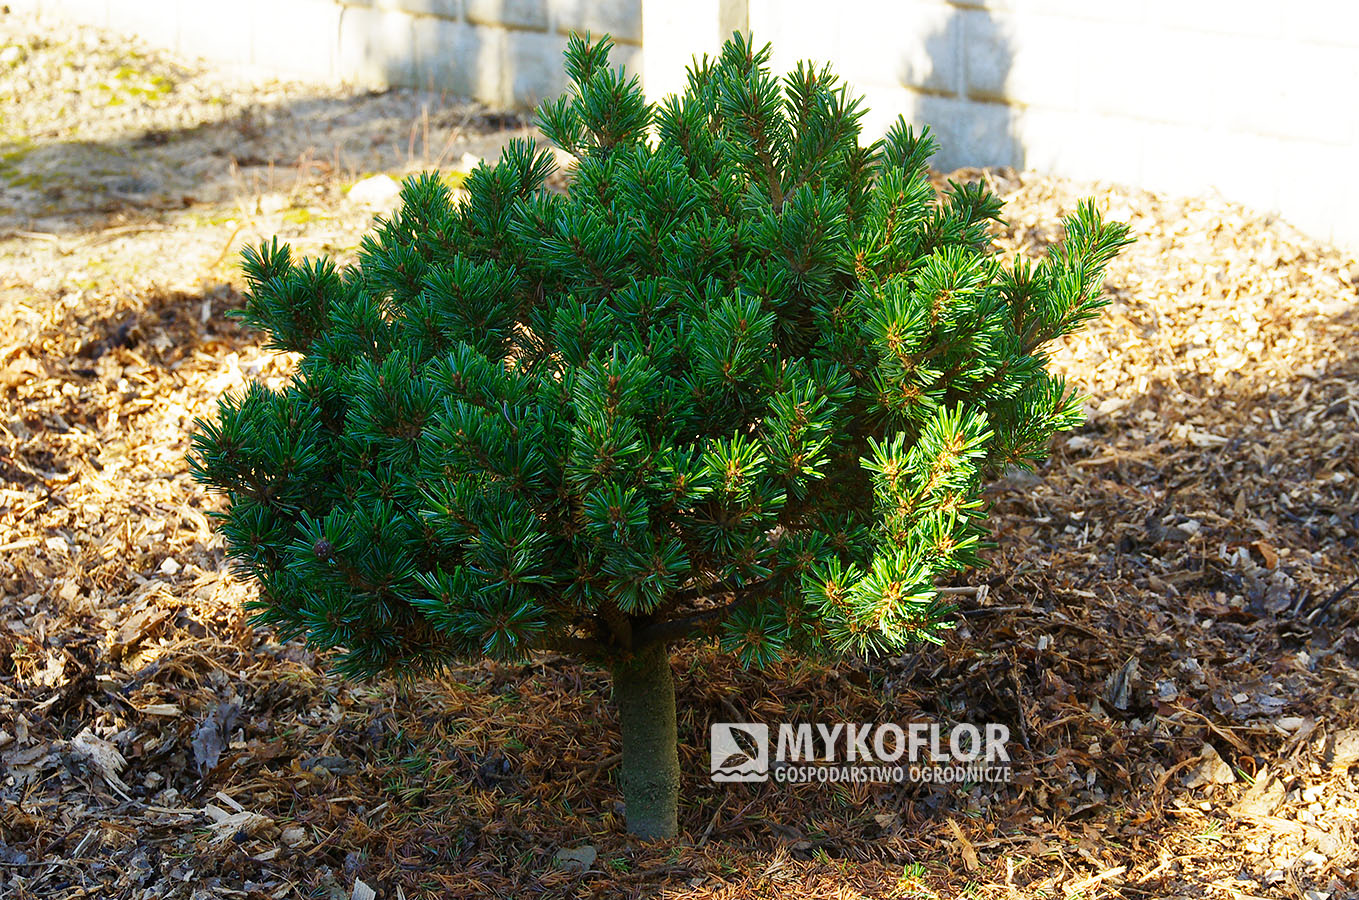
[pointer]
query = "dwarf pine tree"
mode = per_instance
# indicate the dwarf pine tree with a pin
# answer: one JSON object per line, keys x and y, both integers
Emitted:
{"x": 744, "y": 380}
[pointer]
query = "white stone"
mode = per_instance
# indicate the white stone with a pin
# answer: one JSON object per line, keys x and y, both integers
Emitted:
{"x": 376, "y": 191}
{"x": 576, "y": 858}
{"x": 273, "y": 202}
{"x": 295, "y": 836}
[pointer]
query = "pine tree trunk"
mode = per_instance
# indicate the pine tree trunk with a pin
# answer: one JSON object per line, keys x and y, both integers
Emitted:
{"x": 645, "y": 694}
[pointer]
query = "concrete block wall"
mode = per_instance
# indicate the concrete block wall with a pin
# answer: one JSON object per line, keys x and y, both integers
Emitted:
{"x": 1249, "y": 98}
{"x": 505, "y": 53}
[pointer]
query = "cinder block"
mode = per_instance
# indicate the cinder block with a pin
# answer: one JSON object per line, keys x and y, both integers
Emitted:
{"x": 1291, "y": 92}
{"x": 1251, "y": 18}
{"x": 377, "y": 48}
{"x": 676, "y": 31}
{"x": 1181, "y": 159}
{"x": 534, "y": 66}
{"x": 798, "y": 30}
{"x": 901, "y": 42}
{"x": 884, "y": 104}
{"x": 468, "y": 60}
{"x": 1345, "y": 227}
{"x": 1246, "y": 170}
{"x": 217, "y": 32}
{"x": 1322, "y": 22}
{"x": 1114, "y": 72}
{"x": 1075, "y": 9}
{"x": 1345, "y": 233}
{"x": 1187, "y": 160}
{"x": 629, "y": 56}
{"x": 1014, "y": 57}
{"x": 297, "y": 38}
{"x": 439, "y": 46}
{"x": 970, "y": 133}
{"x": 995, "y": 5}
{"x": 1078, "y": 145}
{"x": 989, "y": 54}
{"x": 620, "y": 19}
{"x": 509, "y": 13}
{"x": 444, "y": 9}
{"x": 1325, "y": 212}
{"x": 1192, "y": 79}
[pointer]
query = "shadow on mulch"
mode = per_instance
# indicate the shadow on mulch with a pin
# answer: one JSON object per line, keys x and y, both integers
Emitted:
{"x": 86, "y": 187}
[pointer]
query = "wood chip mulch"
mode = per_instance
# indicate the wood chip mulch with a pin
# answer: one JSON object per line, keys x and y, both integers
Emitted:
{"x": 1169, "y": 629}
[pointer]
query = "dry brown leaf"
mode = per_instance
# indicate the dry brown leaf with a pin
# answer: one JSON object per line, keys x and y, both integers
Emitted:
{"x": 965, "y": 847}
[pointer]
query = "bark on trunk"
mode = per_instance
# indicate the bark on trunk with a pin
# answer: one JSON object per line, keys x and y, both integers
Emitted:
{"x": 645, "y": 694}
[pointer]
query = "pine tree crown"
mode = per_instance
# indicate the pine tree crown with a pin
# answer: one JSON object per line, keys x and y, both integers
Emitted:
{"x": 744, "y": 378}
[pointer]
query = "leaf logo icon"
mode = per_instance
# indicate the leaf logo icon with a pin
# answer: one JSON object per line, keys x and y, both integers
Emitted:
{"x": 736, "y": 759}
{"x": 746, "y": 740}
{"x": 739, "y": 751}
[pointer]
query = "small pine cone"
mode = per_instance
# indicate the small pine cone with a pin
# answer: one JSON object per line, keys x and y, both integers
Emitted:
{"x": 322, "y": 549}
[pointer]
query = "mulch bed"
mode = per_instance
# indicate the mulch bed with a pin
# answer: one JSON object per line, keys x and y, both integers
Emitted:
{"x": 1168, "y": 627}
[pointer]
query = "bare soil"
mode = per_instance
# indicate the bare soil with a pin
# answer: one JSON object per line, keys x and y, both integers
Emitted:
{"x": 1169, "y": 625}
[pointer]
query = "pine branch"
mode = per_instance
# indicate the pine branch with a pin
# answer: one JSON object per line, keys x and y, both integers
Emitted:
{"x": 687, "y": 626}
{"x": 577, "y": 646}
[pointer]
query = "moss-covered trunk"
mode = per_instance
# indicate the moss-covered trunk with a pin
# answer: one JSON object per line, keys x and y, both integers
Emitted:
{"x": 645, "y": 694}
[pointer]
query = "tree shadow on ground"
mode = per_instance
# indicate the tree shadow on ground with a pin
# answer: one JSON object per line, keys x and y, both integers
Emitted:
{"x": 102, "y": 132}
{"x": 78, "y": 187}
